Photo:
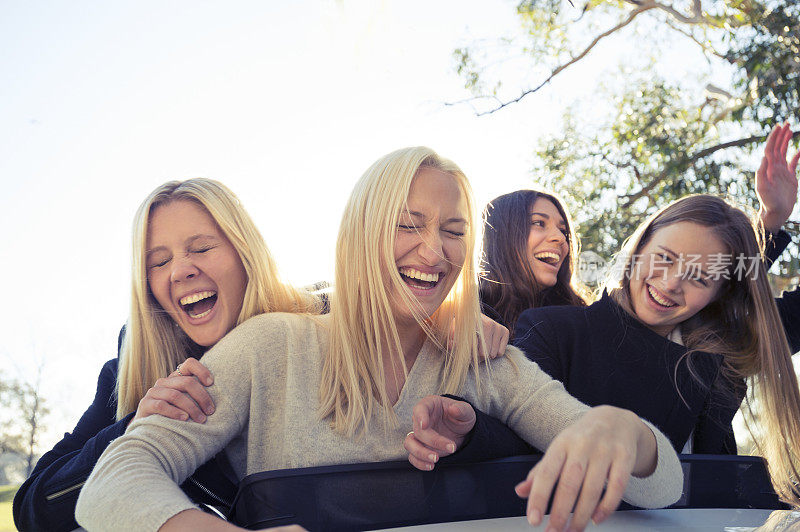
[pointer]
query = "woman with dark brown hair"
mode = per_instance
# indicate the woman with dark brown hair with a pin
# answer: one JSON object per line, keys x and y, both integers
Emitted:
{"x": 529, "y": 254}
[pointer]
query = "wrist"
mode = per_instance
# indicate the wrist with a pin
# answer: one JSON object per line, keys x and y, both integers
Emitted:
{"x": 646, "y": 450}
{"x": 771, "y": 220}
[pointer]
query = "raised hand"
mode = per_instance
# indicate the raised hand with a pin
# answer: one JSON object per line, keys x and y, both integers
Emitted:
{"x": 182, "y": 395}
{"x": 440, "y": 426}
{"x": 599, "y": 451}
{"x": 776, "y": 180}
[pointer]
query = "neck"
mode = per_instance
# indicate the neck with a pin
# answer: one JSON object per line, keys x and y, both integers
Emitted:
{"x": 411, "y": 339}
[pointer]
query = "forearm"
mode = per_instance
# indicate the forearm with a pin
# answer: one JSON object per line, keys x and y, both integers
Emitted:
{"x": 196, "y": 520}
{"x": 135, "y": 484}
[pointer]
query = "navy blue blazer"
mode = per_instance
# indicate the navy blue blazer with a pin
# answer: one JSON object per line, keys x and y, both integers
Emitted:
{"x": 605, "y": 356}
{"x": 46, "y": 501}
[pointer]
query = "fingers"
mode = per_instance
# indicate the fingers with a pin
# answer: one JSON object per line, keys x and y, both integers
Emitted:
{"x": 495, "y": 337}
{"x": 419, "y": 455}
{"x": 591, "y": 491}
{"x": 567, "y": 491}
{"x": 421, "y": 413}
{"x": 542, "y": 480}
{"x": 189, "y": 385}
{"x": 164, "y": 400}
{"x": 461, "y": 412}
{"x": 192, "y": 366}
{"x": 783, "y": 145}
{"x": 618, "y": 476}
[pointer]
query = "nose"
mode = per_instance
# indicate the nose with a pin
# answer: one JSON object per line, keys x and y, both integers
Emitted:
{"x": 557, "y": 235}
{"x": 183, "y": 269}
{"x": 672, "y": 283}
{"x": 430, "y": 249}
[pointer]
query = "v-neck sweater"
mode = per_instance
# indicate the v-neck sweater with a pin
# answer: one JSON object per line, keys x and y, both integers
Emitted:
{"x": 266, "y": 391}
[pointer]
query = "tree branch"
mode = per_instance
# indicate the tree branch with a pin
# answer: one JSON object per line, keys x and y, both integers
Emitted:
{"x": 631, "y": 198}
{"x": 633, "y": 14}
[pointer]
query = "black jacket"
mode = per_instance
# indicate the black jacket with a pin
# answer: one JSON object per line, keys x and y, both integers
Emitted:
{"x": 46, "y": 501}
{"x": 597, "y": 351}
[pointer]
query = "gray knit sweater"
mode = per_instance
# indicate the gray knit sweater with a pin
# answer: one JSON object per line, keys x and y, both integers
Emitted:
{"x": 266, "y": 387}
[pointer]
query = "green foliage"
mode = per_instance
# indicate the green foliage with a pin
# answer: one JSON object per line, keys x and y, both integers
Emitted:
{"x": 662, "y": 138}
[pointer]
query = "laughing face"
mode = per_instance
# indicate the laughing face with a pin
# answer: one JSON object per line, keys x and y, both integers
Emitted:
{"x": 547, "y": 242}
{"x": 193, "y": 271}
{"x": 429, "y": 249}
{"x": 670, "y": 281}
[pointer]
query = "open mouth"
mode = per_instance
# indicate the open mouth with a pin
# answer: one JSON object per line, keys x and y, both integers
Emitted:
{"x": 419, "y": 280}
{"x": 659, "y": 299}
{"x": 548, "y": 257}
{"x": 199, "y": 304}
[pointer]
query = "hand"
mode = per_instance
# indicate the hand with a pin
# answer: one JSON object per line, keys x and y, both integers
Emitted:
{"x": 494, "y": 335}
{"x": 440, "y": 426}
{"x": 601, "y": 450}
{"x": 181, "y": 395}
{"x": 776, "y": 181}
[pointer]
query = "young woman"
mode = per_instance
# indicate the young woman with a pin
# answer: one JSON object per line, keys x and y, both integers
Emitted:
{"x": 200, "y": 267}
{"x": 529, "y": 254}
{"x": 688, "y": 321}
{"x": 295, "y": 390}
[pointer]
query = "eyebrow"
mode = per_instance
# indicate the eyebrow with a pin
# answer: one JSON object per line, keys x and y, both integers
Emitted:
{"x": 449, "y": 220}
{"x": 704, "y": 274}
{"x": 191, "y": 240}
{"x": 547, "y": 217}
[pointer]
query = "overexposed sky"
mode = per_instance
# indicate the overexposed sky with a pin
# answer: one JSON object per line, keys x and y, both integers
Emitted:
{"x": 287, "y": 103}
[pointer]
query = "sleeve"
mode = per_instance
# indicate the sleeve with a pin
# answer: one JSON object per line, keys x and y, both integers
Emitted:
{"x": 528, "y": 336}
{"x": 713, "y": 433}
{"x": 135, "y": 484}
{"x": 789, "y": 310}
{"x": 538, "y": 408}
{"x": 489, "y": 439}
{"x": 775, "y": 244}
{"x": 46, "y": 500}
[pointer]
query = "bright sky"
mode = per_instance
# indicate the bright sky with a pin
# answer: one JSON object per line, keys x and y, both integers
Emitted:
{"x": 287, "y": 103}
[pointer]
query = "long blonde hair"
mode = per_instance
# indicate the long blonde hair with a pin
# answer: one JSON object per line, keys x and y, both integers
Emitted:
{"x": 154, "y": 344}
{"x": 362, "y": 322}
{"x": 742, "y": 324}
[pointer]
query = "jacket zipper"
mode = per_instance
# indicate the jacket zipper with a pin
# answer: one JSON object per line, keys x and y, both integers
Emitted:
{"x": 58, "y": 494}
{"x": 210, "y": 493}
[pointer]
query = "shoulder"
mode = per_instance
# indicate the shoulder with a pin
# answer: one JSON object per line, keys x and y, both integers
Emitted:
{"x": 266, "y": 335}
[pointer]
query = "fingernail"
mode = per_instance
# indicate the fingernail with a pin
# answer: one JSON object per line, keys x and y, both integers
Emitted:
{"x": 183, "y": 417}
{"x": 202, "y": 419}
{"x": 429, "y": 466}
{"x": 598, "y": 517}
{"x": 209, "y": 381}
{"x": 432, "y": 457}
{"x": 210, "y": 410}
{"x": 534, "y": 517}
{"x": 451, "y": 447}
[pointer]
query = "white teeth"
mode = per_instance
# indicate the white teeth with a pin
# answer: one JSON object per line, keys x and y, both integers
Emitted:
{"x": 416, "y": 274}
{"x": 194, "y": 298}
{"x": 660, "y": 300}
{"x": 547, "y": 255}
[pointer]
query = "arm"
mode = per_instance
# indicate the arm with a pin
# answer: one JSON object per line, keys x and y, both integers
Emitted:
{"x": 46, "y": 501}
{"x": 538, "y": 408}
{"x": 135, "y": 484}
{"x": 444, "y": 427}
{"x": 776, "y": 180}
{"x": 488, "y": 438}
